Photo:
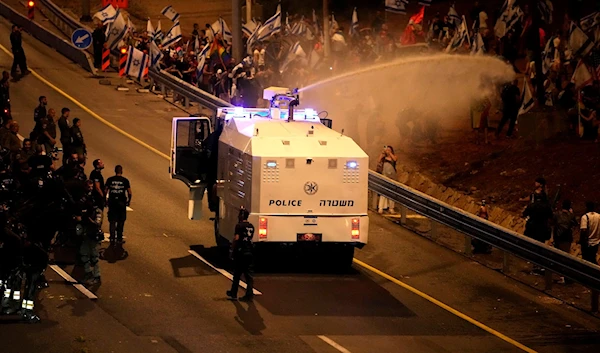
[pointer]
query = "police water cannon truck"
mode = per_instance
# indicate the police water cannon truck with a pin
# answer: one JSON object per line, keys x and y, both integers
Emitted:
{"x": 303, "y": 183}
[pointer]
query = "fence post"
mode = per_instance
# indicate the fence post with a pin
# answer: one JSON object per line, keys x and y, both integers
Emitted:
{"x": 374, "y": 200}
{"x": 434, "y": 229}
{"x": 402, "y": 215}
{"x": 547, "y": 279}
{"x": 506, "y": 263}
{"x": 468, "y": 249}
{"x": 594, "y": 294}
{"x": 186, "y": 102}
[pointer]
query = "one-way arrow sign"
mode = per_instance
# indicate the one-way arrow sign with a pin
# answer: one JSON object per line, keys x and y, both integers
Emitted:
{"x": 81, "y": 38}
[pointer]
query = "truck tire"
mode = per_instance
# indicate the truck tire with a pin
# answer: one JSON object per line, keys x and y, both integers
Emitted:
{"x": 344, "y": 256}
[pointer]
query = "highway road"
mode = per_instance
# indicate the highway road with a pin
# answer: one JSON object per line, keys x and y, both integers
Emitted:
{"x": 162, "y": 299}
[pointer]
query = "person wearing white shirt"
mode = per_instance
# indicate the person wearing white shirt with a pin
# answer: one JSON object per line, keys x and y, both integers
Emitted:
{"x": 589, "y": 237}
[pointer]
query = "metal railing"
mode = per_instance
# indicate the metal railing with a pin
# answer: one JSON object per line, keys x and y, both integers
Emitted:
{"x": 553, "y": 260}
{"x": 438, "y": 212}
{"x": 62, "y": 46}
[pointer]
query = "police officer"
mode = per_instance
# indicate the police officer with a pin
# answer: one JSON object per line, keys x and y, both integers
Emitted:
{"x": 77, "y": 142}
{"x": 90, "y": 219}
{"x": 65, "y": 133}
{"x": 18, "y": 53}
{"x": 242, "y": 255}
{"x": 40, "y": 163}
{"x": 40, "y": 111}
{"x": 98, "y": 179}
{"x": 119, "y": 194}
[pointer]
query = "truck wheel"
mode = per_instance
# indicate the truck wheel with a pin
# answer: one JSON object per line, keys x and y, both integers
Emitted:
{"x": 344, "y": 257}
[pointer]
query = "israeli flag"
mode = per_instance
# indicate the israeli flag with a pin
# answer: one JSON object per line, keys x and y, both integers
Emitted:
{"x": 107, "y": 15}
{"x": 510, "y": 15}
{"x": 478, "y": 47}
{"x": 590, "y": 21}
{"x": 150, "y": 29}
{"x": 249, "y": 28}
{"x": 461, "y": 35}
{"x": 546, "y": 8}
{"x": 170, "y": 13}
{"x": 173, "y": 36}
{"x": 137, "y": 62}
{"x": 453, "y": 16}
{"x": 579, "y": 42}
{"x": 354, "y": 24}
{"x": 528, "y": 101}
{"x": 201, "y": 61}
{"x": 252, "y": 39}
{"x": 548, "y": 55}
{"x": 271, "y": 27}
{"x": 117, "y": 31}
{"x": 155, "y": 55}
{"x": 425, "y": 2}
{"x": 299, "y": 28}
{"x": 220, "y": 26}
{"x": 158, "y": 34}
{"x": 395, "y": 6}
{"x": 296, "y": 51}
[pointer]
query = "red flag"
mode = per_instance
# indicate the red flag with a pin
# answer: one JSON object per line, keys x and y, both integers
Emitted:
{"x": 418, "y": 18}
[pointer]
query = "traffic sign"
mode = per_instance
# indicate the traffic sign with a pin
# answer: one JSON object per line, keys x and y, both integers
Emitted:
{"x": 81, "y": 38}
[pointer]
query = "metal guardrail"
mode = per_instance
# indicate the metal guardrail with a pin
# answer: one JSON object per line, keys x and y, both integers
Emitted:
{"x": 50, "y": 39}
{"x": 507, "y": 240}
{"x": 473, "y": 227}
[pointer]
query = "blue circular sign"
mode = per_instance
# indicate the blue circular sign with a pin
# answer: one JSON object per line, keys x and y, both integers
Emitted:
{"x": 81, "y": 38}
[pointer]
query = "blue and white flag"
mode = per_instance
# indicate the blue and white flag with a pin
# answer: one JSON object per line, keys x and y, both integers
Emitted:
{"x": 201, "y": 61}
{"x": 107, "y": 15}
{"x": 354, "y": 25}
{"x": 116, "y": 31}
{"x": 546, "y": 8}
{"x": 579, "y": 42}
{"x": 155, "y": 54}
{"x": 158, "y": 34}
{"x": 453, "y": 17}
{"x": 271, "y": 27}
{"x": 299, "y": 28}
{"x": 461, "y": 35}
{"x": 478, "y": 47}
{"x": 295, "y": 52}
{"x": 590, "y": 21}
{"x": 249, "y": 28}
{"x": 137, "y": 61}
{"x": 527, "y": 97}
{"x": 170, "y": 13}
{"x": 425, "y": 2}
{"x": 548, "y": 55}
{"x": 220, "y": 26}
{"x": 173, "y": 36}
{"x": 252, "y": 39}
{"x": 150, "y": 30}
{"x": 395, "y": 6}
{"x": 510, "y": 15}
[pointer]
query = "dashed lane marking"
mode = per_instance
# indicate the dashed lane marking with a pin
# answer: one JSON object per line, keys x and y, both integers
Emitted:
{"x": 444, "y": 306}
{"x": 80, "y": 287}
{"x": 129, "y": 209}
{"x": 223, "y": 272}
{"x": 90, "y": 112}
{"x": 334, "y": 344}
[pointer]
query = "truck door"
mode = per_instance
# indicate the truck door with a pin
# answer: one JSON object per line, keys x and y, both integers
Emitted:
{"x": 189, "y": 154}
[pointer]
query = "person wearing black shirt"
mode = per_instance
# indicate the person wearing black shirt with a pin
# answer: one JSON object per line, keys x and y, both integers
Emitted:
{"x": 65, "y": 133}
{"x": 98, "y": 40}
{"x": 40, "y": 163}
{"x": 77, "y": 142}
{"x": 119, "y": 194}
{"x": 18, "y": 53}
{"x": 511, "y": 100}
{"x": 98, "y": 179}
{"x": 243, "y": 257}
{"x": 40, "y": 111}
{"x": 91, "y": 219}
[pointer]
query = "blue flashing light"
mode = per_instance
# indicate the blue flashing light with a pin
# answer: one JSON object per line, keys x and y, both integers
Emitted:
{"x": 271, "y": 164}
{"x": 351, "y": 165}
{"x": 239, "y": 111}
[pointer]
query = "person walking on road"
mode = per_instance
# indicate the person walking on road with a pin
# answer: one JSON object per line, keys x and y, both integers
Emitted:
{"x": 589, "y": 236}
{"x": 119, "y": 194}
{"x": 16, "y": 41}
{"x": 64, "y": 126}
{"x": 242, "y": 254}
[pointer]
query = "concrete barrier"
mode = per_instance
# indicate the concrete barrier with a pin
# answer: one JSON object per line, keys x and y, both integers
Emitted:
{"x": 65, "y": 48}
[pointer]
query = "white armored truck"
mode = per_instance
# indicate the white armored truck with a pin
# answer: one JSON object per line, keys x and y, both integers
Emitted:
{"x": 303, "y": 183}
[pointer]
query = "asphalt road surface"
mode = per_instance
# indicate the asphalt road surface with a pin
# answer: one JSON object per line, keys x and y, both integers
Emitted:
{"x": 160, "y": 298}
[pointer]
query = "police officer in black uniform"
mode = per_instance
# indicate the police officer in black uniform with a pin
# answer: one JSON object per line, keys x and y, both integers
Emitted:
{"x": 40, "y": 111}
{"x": 242, "y": 254}
{"x": 40, "y": 163}
{"x": 119, "y": 194}
{"x": 18, "y": 53}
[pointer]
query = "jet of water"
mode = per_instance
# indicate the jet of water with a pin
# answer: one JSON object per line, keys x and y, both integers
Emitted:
{"x": 377, "y": 104}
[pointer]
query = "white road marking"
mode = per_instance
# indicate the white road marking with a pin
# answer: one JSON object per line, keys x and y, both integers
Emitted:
{"x": 71, "y": 280}
{"x": 129, "y": 209}
{"x": 223, "y": 272}
{"x": 334, "y": 344}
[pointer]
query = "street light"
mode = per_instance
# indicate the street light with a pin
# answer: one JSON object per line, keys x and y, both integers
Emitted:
{"x": 30, "y": 10}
